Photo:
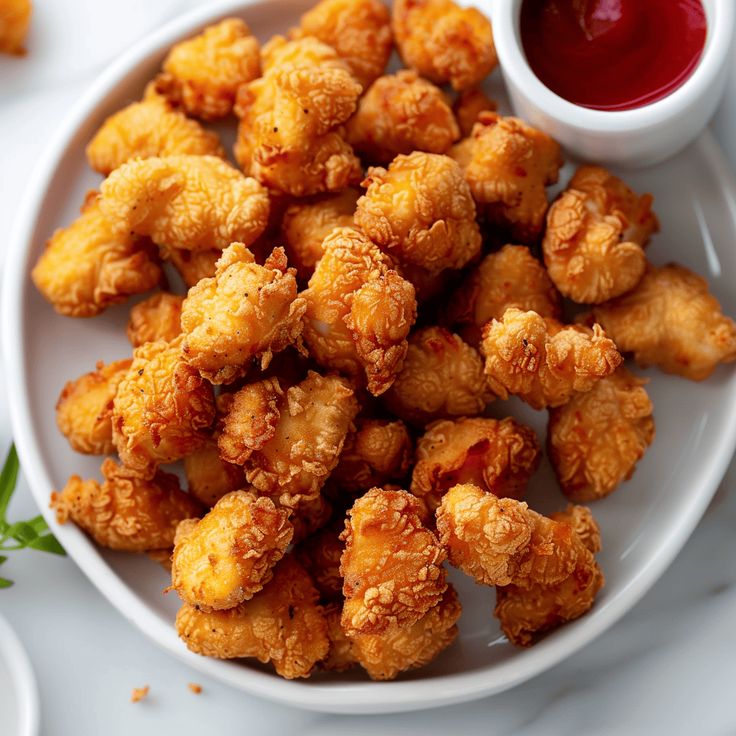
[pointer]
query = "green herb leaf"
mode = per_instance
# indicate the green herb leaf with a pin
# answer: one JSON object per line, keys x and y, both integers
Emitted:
{"x": 5, "y": 583}
{"x": 47, "y": 543}
{"x": 39, "y": 524}
{"x": 8, "y": 479}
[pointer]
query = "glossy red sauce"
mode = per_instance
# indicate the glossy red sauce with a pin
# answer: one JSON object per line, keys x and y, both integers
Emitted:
{"x": 613, "y": 54}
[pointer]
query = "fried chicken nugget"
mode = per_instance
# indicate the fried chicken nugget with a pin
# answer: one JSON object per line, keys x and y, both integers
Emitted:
{"x": 209, "y": 477}
{"x": 542, "y": 361}
{"x": 672, "y": 321}
{"x": 192, "y": 265}
{"x": 444, "y": 42}
{"x": 359, "y": 30}
{"x": 401, "y": 113}
{"x": 203, "y": 73}
{"x": 15, "y": 19}
{"x": 282, "y": 624}
{"x": 508, "y": 164}
{"x": 420, "y": 210}
{"x": 392, "y": 564}
{"x": 585, "y": 526}
{"x": 379, "y": 451}
{"x": 162, "y": 409}
{"x": 189, "y": 202}
{"x": 151, "y": 127}
{"x": 442, "y": 377}
{"x": 510, "y": 277}
{"x": 595, "y": 440}
{"x": 596, "y": 230}
{"x": 89, "y": 265}
{"x": 359, "y": 311}
{"x": 309, "y": 517}
{"x": 497, "y": 455}
{"x": 84, "y": 408}
{"x": 320, "y": 554}
{"x": 245, "y": 311}
{"x": 306, "y": 224}
{"x": 470, "y": 103}
{"x": 289, "y": 440}
{"x": 229, "y": 555}
{"x": 155, "y": 318}
{"x": 340, "y": 656}
{"x": 125, "y": 512}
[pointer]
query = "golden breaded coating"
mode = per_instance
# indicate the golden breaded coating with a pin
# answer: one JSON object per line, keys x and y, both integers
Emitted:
{"x": 320, "y": 554}
{"x": 209, "y": 477}
{"x": 244, "y": 312}
{"x": 580, "y": 518}
{"x": 442, "y": 377}
{"x": 542, "y": 361}
{"x": 596, "y": 230}
{"x": 386, "y": 655}
{"x": 392, "y": 564}
{"x": 307, "y": 51}
{"x": 229, "y": 555}
{"x": 89, "y": 265}
{"x": 162, "y": 409}
{"x": 289, "y": 440}
{"x": 469, "y": 104}
{"x": 499, "y": 541}
{"x": 420, "y": 211}
{"x": 401, "y": 113}
{"x": 125, "y": 512}
{"x": 15, "y": 19}
{"x": 309, "y": 517}
{"x": 508, "y": 164}
{"x": 340, "y": 656}
{"x": 595, "y": 440}
{"x": 192, "y": 265}
{"x": 359, "y": 30}
{"x": 379, "y": 451}
{"x": 306, "y": 224}
{"x": 203, "y": 73}
{"x": 151, "y": 127}
{"x": 359, "y": 311}
{"x": 155, "y": 318}
{"x": 497, "y": 455}
{"x": 510, "y": 277}
{"x": 672, "y": 321}
{"x": 444, "y": 42}
{"x": 281, "y": 624}
{"x": 84, "y": 408}
{"x": 190, "y": 202}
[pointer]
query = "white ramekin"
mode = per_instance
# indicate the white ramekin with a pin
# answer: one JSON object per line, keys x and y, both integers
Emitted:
{"x": 629, "y": 138}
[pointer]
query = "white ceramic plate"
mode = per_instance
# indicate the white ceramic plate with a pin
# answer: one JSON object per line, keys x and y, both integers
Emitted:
{"x": 19, "y": 712}
{"x": 644, "y": 524}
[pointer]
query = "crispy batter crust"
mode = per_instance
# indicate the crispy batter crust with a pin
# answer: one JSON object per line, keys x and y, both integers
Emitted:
{"x": 320, "y": 554}
{"x": 209, "y": 477}
{"x": 155, "y": 318}
{"x": 580, "y": 518}
{"x": 309, "y": 517}
{"x": 468, "y": 105}
{"x": 340, "y": 656}
{"x": 192, "y": 265}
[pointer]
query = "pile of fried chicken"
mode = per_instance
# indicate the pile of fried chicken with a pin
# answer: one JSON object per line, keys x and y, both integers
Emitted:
{"x": 381, "y": 266}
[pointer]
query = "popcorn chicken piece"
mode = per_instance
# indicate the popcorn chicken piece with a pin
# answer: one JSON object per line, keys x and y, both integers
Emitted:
{"x": 442, "y": 377}
{"x": 401, "y": 113}
{"x": 468, "y": 106}
{"x": 229, "y": 555}
{"x": 162, "y": 409}
{"x": 420, "y": 211}
{"x": 89, "y": 265}
{"x": 340, "y": 655}
{"x": 358, "y": 30}
{"x": 392, "y": 564}
{"x": 125, "y": 512}
{"x": 281, "y": 624}
{"x": 246, "y": 311}
{"x": 580, "y": 518}
{"x": 386, "y": 655}
{"x": 497, "y": 455}
{"x": 508, "y": 164}
{"x": 672, "y": 321}
{"x": 155, "y": 318}
{"x": 300, "y": 52}
{"x": 379, "y": 451}
{"x": 203, "y": 73}
{"x": 306, "y": 224}
{"x": 289, "y": 440}
{"x": 542, "y": 361}
{"x": 209, "y": 477}
{"x": 595, "y": 440}
{"x": 15, "y": 19}
{"x": 444, "y": 42}
{"x": 189, "y": 202}
{"x": 510, "y": 277}
{"x": 359, "y": 311}
{"x": 499, "y": 541}
{"x": 151, "y": 127}
{"x": 309, "y": 517}
{"x": 320, "y": 554}
{"x": 596, "y": 230}
{"x": 192, "y": 265}
{"x": 84, "y": 408}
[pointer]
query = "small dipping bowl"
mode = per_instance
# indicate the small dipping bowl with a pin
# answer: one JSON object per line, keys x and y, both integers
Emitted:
{"x": 633, "y": 138}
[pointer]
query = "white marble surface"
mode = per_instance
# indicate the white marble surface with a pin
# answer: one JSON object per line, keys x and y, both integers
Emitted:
{"x": 667, "y": 667}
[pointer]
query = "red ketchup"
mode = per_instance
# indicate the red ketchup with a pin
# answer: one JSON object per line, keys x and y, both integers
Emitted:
{"x": 613, "y": 54}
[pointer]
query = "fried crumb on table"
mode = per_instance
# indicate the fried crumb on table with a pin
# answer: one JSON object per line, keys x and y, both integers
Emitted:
{"x": 139, "y": 693}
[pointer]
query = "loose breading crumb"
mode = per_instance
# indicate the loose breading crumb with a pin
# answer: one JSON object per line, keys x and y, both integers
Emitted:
{"x": 139, "y": 693}
{"x": 194, "y": 687}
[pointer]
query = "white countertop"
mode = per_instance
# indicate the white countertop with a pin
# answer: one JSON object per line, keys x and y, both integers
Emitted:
{"x": 668, "y": 667}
